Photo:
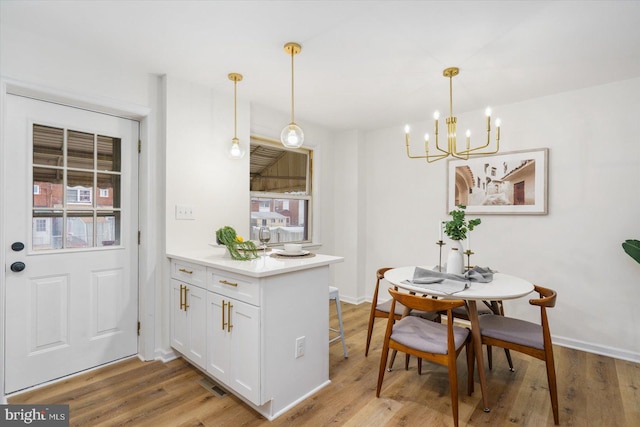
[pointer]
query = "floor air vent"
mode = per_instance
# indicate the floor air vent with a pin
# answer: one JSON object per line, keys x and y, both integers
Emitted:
{"x": 212, "y": 387}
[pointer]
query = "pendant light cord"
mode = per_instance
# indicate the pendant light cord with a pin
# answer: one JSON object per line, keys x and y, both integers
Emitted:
{"x": 235, "y": 111}
{"x": 292, "y": 79}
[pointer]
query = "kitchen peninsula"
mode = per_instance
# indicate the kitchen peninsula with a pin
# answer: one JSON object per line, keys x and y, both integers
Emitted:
{"x": 259, "y": 328}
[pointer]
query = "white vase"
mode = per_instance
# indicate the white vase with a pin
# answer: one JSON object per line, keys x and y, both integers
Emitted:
{"x": 455, "y": 261}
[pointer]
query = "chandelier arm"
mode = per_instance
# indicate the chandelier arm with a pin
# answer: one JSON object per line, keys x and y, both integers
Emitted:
{"x": 471, "y": 151}
{"x": 460, "y": 156}
{"x": 435, "y": 158}
{"x": 406, "y": 137}
{"x": 438, "y": 145}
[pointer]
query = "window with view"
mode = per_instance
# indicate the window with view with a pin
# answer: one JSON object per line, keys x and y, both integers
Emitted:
{"x": 69, "y": 169}
{"x": 280, "y": 191}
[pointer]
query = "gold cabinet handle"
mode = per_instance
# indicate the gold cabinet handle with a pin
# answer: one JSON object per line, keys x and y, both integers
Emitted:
{"x": 229, "y": 325}
{"x": 226, "y": 282}
{"x": 224, "y": 324}
{"x": 185, "y": 298}
{"x": 181, "y": 299}
{"x": 184, "y": 270}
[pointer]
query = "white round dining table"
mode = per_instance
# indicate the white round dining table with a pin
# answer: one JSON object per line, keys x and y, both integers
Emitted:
{"x": 502, "y": 287}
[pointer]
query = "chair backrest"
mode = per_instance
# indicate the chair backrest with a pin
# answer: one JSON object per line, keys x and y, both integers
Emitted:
{"x": 547, "y": 297}
{"x": 381, "y": 271}
{"x": 424, "y": 303}
{"x": 379, "y": 277}
{"x": 547, "y": 300}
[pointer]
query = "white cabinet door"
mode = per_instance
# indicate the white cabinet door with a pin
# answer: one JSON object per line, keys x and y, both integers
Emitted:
{"x": 188, "y": 321}
{"x": 179, "y": 335}
{"x": 244, "y": 371}
{"x": 197, "y": 325}
{"x": 217, "y": 338}
{"x": 233, "y": 336}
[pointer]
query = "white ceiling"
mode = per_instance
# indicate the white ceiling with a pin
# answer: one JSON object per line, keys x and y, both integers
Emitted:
{"x": 364, "y": 64}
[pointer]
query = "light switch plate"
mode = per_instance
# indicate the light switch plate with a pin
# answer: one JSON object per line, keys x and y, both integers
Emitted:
{"x": 300, "y": 346}
{"x": 184, "y": 212}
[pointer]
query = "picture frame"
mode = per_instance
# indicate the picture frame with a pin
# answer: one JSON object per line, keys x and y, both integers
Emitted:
{"x": 512, "y": 183}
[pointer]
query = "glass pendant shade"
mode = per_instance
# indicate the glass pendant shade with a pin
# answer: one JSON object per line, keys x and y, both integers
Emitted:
{"x": 292, "y": 136}
{"x": 235, "y": 151}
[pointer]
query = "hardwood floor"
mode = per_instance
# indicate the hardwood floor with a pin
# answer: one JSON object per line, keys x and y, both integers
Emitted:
{"x": 593, "y": 391}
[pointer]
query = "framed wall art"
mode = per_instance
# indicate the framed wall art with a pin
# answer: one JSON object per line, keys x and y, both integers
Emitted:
{"x": 507, "y": 183}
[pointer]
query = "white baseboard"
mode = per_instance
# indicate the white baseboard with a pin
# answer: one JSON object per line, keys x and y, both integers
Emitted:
{"x": 165, "y": 355}
{"x": 352, "y": 300}
{"x": 616, "y": 353}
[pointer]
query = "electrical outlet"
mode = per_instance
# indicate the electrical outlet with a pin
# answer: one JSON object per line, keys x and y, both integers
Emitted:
{"x": 184, "y": 212}
{"x": 300, "y": 345}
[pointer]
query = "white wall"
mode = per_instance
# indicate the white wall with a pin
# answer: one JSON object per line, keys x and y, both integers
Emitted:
{"x": 594, "y": 205}
{"x": 350, "y": 215}
{"x": 199, "y": 172}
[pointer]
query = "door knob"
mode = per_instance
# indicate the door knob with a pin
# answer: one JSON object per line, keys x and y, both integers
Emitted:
{"x": 18, "y": 266}
{"x": 17, "y": 246}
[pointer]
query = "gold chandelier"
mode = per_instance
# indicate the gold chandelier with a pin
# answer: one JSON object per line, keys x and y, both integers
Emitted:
{"x": 452, "y": 146}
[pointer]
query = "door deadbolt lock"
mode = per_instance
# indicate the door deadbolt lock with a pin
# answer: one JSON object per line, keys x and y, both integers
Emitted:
{"x": 18, "y": 266}
{"x": 17, "y": 246}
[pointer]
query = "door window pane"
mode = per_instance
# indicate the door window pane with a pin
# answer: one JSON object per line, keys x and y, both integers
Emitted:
{"x": 108, "y": 153}
{"x": 79, "y": 189}
{"x": 79, "y": 230}
{"x": 109, "y": 191}
{"x": 79, "y": 150}
{"x": 108, "y": 229}
{"x": 48, "y": 143}
{"x": 47, "y": 231}
{"x": 49, "y": 183}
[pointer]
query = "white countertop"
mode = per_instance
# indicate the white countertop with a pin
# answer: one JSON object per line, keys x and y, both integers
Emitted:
{"x": 263, "y": 266}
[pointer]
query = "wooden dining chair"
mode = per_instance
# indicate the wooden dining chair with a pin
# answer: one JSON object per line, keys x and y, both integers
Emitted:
{"x": 382, "y": 309}
{"x": 489, "y": 308}
{"x": 428, "y": 340}
{"x": 525, "y": 337}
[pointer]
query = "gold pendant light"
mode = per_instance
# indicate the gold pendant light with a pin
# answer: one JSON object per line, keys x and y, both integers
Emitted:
{"x": 452, "y": 145}
{"x": 292, "y": 136}
{"x": 235, "y": 151}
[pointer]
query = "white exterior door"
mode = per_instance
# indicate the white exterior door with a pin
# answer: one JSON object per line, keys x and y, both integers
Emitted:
{"x": 71, "y": 201}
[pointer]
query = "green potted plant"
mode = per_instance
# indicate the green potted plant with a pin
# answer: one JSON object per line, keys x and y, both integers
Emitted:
{"x": 238, "y": 248}
{"x": 632, "y": 247}
{"x": 457, "y": 227}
